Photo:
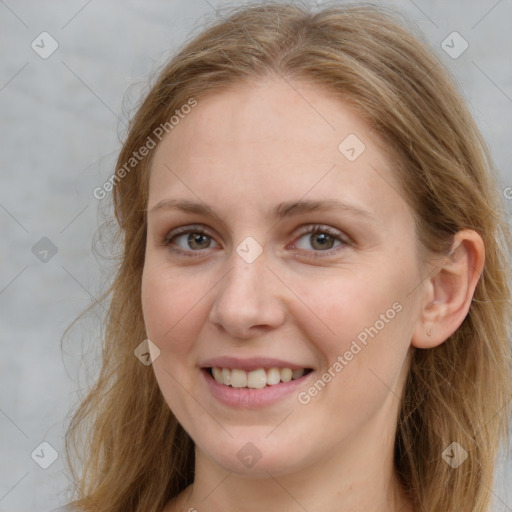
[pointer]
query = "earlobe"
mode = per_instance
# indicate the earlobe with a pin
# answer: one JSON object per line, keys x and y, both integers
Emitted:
{"x": 449, "y": 291}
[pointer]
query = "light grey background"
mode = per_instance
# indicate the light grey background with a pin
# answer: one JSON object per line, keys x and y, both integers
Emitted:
{"x": 61, "y": 119}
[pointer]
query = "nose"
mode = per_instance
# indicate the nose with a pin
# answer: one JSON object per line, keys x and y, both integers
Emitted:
{"x": 248, "y": 301}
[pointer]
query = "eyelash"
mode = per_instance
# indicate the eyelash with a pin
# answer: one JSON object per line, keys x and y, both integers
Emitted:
{"x": 198, "y": 229}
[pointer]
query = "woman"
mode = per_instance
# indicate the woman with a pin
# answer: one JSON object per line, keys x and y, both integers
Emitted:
{"x": 312, "y": 306}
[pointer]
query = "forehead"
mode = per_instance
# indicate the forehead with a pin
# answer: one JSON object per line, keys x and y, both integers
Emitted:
{"x": 274, "y": 141}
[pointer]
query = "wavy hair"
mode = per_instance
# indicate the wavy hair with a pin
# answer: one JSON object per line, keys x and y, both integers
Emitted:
{"x": 126, "y": 449}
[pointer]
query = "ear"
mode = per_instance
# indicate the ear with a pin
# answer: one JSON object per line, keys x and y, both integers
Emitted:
{"x": 449, "y": 290}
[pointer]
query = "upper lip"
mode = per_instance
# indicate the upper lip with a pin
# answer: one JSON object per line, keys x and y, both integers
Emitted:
{"x": 250, "y": 364}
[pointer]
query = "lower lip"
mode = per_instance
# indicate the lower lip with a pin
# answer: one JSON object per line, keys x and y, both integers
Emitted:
{"x": 249, "y": 398}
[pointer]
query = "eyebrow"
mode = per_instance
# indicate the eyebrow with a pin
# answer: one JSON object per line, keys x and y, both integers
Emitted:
{"x": 281, "y": 211}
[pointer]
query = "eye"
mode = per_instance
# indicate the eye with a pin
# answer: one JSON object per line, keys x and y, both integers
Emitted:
{"x": 321, "y": 239}
{"x": 194, "y": 240}
{"x": 189, "y": 239}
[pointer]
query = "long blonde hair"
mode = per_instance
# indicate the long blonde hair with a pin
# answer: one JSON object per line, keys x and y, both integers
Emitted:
{"x": 132, "y": 454}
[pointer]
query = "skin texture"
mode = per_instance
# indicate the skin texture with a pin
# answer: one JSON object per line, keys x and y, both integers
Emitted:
{"x": 242, "y": 151}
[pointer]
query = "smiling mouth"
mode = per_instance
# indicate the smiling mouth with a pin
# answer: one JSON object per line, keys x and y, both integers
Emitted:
{"x": 255, "y": 379}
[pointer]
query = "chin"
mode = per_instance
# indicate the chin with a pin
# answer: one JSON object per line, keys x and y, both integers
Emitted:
{"x": 256, "y": 458}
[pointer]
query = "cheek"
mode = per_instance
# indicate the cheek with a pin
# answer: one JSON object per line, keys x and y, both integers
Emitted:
{"x": 343, "y": 307}
{"x": 170, "y": 306}
{"x": 360, "y": 324}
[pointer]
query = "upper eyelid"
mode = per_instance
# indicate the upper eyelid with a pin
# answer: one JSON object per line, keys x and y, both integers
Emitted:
{"x": 304, "y": 229}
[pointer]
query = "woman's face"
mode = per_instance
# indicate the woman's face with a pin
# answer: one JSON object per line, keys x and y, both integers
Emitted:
{"x": 252, "y": 266}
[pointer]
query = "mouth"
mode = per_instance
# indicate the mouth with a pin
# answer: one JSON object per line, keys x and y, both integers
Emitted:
{"x": 254, "y": 382}
{"x": 258, "y": 378}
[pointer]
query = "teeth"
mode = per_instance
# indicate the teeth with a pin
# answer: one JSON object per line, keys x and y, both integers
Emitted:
{"x": 238, "y": 378}
{"x": 226, "y": 376}
{"x": 273, "y": 376}
{"x": 297, "y": 373}
{"x": 256, "y": 379}
{"x": 286, "y": 374}
{"x": 217, "y": 374}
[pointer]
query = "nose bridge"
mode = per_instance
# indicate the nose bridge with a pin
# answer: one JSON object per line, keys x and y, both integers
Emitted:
{"x": 247, "y": 268}
{"x": 242, "y": 280}
{"x": 246, "y": 297}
